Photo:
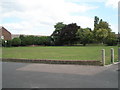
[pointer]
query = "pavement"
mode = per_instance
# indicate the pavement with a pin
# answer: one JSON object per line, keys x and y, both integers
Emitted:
{"x": 32, "y": 75}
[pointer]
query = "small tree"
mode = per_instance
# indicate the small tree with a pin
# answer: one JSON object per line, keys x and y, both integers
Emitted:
{"x": 84, "y": 35}
{"x": 101, "y": 35}
{"x": 16, "y": 42}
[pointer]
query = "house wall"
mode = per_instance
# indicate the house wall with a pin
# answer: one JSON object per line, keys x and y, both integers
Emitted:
{"x": 5, "y": 34}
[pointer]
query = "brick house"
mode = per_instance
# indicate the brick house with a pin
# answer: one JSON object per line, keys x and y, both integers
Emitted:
{"x": 5, "y": 34}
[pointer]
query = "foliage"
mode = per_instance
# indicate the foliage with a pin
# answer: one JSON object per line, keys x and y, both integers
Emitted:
{"x": 29, "y": 40}
{"x": 3, "y": 43}
{"x": 103, "y": 25}
{"x": 96, "y": 22}
{"x": 16, "y": 42}
{"x": 70, "y": 34}
{"x": 101, "y": 30}
{"x": 66, "y": 35}
{"x": 6, "y": 43}
{"x": 84, "y": 35}
{"x": 43, "y": 40}
{"x": 35, "y": 40}
{"x": 56, "y": 34}
{"x": 111, "y": 39}
{"x": 101, "y": 35}
{"x": 23, "y": 42}
{"x": 9, "y": 43}
{"x": 59, "y": 26}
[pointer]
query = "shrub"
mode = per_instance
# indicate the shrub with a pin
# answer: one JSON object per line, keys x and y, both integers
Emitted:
{"x": 6, "y": 43}
{"x": 23, "y": 42}
{"x": 29, "y": 40}
{"x": 16, "y": 42}
{"x": 111, "y": 39}
{"x": 9, "y": 43}
{"x": 43, "y": 40}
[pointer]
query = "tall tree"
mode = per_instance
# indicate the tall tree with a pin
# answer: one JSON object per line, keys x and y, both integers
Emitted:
{"x": 96, "y": 22}
{"x": 101, "y": 29}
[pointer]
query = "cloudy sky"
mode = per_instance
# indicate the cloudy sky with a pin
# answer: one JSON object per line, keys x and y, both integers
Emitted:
{"x": 38, "y": 17}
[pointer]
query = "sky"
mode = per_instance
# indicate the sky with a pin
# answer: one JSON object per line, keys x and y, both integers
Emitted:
{"x": 38, "y": 17}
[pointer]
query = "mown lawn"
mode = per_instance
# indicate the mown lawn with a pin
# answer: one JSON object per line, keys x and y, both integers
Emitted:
{"x": 60, "y": 52}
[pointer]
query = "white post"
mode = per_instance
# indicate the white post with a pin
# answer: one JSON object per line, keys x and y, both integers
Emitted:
{"x": 103, "y": 57}
{"x": 112, "y": 55}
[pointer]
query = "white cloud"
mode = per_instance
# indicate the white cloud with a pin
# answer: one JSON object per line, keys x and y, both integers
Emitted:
{"x": 108, "y": 3}
{"x": 39, "y": 16}
{"x": 112, "y": 3}
{"x": 114, "y": 28}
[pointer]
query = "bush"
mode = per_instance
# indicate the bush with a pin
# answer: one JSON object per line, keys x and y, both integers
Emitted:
{"x": 111, "y": 39}
{"x": 3, "y": 43}
{"x": 16, "y": 42}
{"x": 43, "y": 40}
{"x": 111, "y": 42}
{"x": 6, "y": 43}
{"x": 23, "y": 42}
{"x": 9, "y": 43}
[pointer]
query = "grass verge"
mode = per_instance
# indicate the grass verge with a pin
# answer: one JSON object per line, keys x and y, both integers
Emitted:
{"x": 60, "y": 53}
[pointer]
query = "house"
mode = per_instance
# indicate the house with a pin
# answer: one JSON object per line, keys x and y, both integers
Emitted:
{"x": 5, "y": 34}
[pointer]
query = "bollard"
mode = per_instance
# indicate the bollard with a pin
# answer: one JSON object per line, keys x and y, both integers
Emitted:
{"x": 112, "y": 55}
{"x": 103, "y": 57}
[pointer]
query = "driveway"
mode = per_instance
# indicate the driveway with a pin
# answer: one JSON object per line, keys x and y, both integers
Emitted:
{"x": 31, "y": 75}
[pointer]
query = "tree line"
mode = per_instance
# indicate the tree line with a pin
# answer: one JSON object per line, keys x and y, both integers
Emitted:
{"x": 70, "y": 34}
{"x": 73, "y": 34}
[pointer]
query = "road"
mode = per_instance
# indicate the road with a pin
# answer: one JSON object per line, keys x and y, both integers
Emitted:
{"x": 31, "y": 75}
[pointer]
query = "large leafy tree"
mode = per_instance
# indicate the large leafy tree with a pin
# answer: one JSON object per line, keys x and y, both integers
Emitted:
{"x": 55, "y": 37}
{"x": 68, "y": 33}
{"x": 64, "y": 34}
{"x": 84, "y": 36}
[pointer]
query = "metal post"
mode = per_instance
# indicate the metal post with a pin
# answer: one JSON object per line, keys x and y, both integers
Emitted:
{"x": 112, "y": 55}
{"x": 103, "y": 57}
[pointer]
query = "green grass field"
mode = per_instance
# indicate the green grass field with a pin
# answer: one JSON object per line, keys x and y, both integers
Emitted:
{"x": 60, "y": 52}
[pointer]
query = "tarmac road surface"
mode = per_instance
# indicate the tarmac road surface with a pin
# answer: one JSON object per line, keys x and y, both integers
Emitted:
{"x": 32, "y": 75}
